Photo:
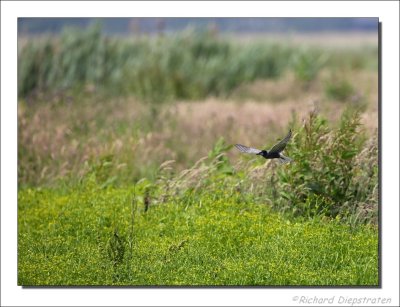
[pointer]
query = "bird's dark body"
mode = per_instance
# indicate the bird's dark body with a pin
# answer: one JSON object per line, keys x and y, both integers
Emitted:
{"x": 267, "y": 155}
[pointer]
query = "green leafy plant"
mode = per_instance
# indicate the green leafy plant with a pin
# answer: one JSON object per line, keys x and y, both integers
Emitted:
{"x": 217, "y": 156}
{"x": 307, "y": 63}
{"x": 324, "y": 179}
{"x": 338, "y": 88}
{"x": 116, "y": 248}
{"x": 100, "y": 171}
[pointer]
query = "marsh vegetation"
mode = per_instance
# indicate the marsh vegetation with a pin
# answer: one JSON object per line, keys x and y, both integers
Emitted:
{"x": 127, "y": 174}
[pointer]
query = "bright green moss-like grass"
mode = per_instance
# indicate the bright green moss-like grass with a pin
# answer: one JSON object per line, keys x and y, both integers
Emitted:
{"x": 64, "y": 239}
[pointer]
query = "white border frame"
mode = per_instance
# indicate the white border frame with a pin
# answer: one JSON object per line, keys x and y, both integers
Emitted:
{"x": 11, "y": 294}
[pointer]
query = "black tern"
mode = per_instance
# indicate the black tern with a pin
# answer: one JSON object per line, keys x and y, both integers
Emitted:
{"x": 273, "y": 153}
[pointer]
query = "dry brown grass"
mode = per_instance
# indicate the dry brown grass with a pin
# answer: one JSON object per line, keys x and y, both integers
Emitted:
{"x": 327, "y": 39}
{"x": 57, "y": 140}
{"x": 287, "y": 92}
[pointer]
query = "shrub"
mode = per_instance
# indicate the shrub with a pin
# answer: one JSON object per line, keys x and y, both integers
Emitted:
{"x": 325, "y": 177}
{"x": 307, "y": 63}
{"x": 338, "y": 88}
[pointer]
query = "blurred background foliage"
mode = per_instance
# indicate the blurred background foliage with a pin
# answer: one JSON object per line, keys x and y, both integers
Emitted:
{"x": 114, "y": 108}
{"x": 193, "y": 64}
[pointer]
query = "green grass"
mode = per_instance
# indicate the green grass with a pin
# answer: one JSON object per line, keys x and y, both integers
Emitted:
{"x": 215, "y": 239}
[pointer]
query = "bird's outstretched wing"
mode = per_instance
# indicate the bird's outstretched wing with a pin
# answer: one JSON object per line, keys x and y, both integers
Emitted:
{"x": 277, "y": 148}
{"x": 246, "y": 149}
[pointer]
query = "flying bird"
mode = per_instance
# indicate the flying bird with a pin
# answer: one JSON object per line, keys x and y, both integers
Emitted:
{"x": 274, "y": 152}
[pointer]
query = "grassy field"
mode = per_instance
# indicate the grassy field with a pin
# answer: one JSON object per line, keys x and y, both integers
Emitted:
{"x": 90, "y": 237}
{"x": 140, "y": 184}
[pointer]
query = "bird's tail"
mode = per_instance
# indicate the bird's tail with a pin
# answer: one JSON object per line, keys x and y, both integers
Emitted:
{"x": 283, "y": 159}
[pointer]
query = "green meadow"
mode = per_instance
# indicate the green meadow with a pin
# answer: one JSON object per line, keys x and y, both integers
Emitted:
{"x": 92, "y": 237}
{"x": 127, "y": 174}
